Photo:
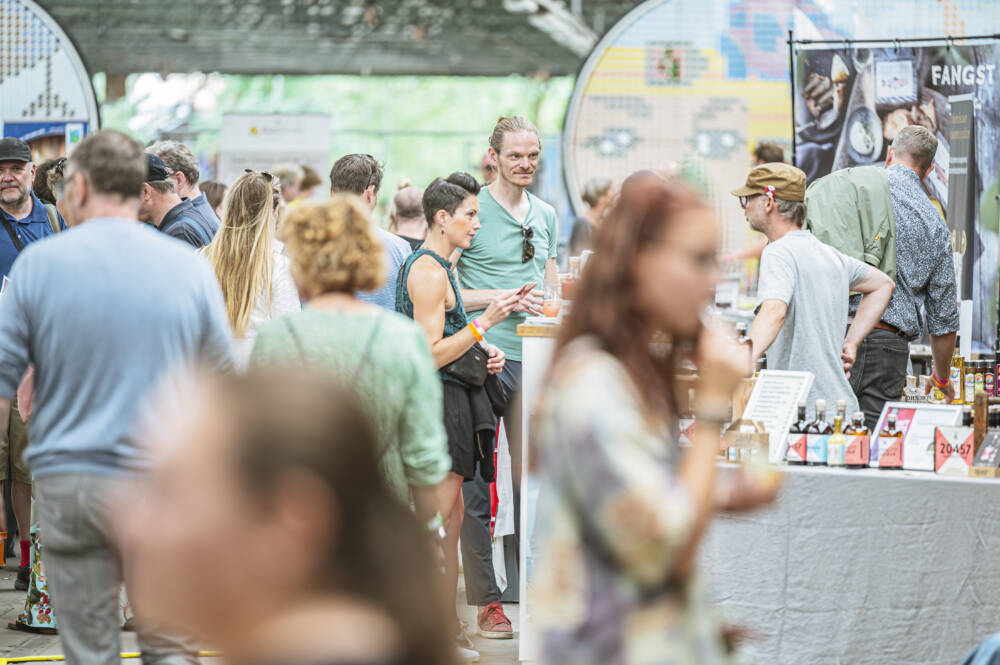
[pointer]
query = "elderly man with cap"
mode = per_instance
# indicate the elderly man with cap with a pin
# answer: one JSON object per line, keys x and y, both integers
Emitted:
{"x": 163, "y": 207}
{"x": 25, "y": 219}
{"x": 803, "y": 288}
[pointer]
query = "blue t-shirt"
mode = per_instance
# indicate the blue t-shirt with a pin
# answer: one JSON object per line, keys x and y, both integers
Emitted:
{"x": 33, "y": 227}
{"x": 396, "y": 251}
{"x": 104, "y": 311}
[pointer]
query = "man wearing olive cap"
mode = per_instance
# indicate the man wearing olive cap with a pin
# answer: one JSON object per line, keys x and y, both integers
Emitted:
{"x": 803, "y": 288}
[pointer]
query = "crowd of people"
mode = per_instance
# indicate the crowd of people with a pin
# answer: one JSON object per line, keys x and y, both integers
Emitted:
{"x": 275, "y": 421}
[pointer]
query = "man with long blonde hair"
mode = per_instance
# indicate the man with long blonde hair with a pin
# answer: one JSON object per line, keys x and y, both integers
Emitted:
{"x": 255, "y": 276}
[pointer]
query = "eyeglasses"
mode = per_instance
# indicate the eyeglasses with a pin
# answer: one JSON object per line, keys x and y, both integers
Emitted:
{"x": 527, "y": 249}
{"x": 745, "y": 200}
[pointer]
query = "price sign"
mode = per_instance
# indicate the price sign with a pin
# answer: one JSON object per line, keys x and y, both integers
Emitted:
{"x": 917, "y": 422}
{"x": 953, "y": 450}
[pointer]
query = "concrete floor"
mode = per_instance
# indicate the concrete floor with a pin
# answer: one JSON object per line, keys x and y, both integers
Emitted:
{"x": 18, "y": 644}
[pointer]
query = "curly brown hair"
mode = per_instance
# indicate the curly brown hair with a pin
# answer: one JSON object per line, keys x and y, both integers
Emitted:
{"x": 333, "y": 248}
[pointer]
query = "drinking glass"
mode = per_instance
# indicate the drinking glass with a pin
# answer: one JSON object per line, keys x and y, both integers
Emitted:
{"x": 553, "y": 301}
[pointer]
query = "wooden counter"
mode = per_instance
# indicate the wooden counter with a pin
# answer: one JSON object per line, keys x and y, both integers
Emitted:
{"x": 538, "y": 330}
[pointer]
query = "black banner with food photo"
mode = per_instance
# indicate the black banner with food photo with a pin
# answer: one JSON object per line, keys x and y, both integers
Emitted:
{"x": 851, "y": 100}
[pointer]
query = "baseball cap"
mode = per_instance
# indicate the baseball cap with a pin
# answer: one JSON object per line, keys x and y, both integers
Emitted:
{"x": 155, "y": 168}
{"x": 784, "y": 181}
{"x": 14, "y": 150}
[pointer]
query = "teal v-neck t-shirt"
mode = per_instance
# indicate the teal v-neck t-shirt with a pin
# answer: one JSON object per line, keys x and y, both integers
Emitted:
{"x": 493, "y": 260}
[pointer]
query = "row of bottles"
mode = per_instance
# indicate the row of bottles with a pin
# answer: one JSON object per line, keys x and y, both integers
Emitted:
{"x": 971, "y": 376}
{"x": 839, "y": 444}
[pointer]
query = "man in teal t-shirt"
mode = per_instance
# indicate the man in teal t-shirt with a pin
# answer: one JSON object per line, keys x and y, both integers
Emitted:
{"x": 515, "y": 246}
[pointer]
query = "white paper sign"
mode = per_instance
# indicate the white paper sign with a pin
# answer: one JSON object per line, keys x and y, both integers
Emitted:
{"x": 773, "y": 402}
{"x": 917, "y": 422}
{"x": 260, "y": 141}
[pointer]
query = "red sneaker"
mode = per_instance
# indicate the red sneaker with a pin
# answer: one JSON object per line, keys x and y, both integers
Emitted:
{"x": 493, "y": 623}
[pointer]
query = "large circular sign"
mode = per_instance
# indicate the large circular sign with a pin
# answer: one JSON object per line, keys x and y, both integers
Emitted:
{"x": 46, "y": 97}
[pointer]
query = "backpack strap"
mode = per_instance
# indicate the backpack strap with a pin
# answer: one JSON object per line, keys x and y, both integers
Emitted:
{"x": 53, "y": 214}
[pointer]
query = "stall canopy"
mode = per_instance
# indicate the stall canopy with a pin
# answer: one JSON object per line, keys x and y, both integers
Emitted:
{"x": 452, "y": 37}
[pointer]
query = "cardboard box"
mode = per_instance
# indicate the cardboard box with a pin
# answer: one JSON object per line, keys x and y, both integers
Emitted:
{"x": 953, "y": 450}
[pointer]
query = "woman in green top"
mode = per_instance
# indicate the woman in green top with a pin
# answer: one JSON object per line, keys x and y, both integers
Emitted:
{"x": 381, "y": 355}
{"x": 428, "y": 293}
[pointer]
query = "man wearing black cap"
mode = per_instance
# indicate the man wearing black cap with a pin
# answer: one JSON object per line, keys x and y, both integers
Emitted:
{"x": 162, "y": 207}
{"x": 25, "y": 219}
{"x": 803, "y": 288}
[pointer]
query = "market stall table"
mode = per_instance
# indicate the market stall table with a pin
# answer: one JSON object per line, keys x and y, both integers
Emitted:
{"x": 862, "y": 566}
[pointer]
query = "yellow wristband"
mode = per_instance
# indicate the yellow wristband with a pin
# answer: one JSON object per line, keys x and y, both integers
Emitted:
{"x": 475, "y": 331}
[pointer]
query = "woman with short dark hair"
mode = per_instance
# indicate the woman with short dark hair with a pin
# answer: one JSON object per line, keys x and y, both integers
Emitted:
{"x": 428, "y": 293}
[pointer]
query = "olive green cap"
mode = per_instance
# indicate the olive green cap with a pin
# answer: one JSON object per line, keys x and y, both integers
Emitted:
{"x": 783, "y": 181}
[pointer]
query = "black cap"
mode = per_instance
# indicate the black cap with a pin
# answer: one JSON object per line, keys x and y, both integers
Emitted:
{"x": 155, "y": 168}
{"x": 14, "y": 150}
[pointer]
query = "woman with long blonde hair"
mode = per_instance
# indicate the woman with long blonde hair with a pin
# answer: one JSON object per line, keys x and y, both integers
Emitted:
{"x": 255, "y": 276}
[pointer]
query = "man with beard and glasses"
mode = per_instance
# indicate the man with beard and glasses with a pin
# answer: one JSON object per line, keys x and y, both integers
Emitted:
{"x": 25, "y": 219}
{"x": 515, "y": 247}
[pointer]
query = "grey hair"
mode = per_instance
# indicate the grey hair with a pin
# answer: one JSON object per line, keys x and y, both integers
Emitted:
{"x": 163, "y": 186}
{"x": 287, "y": 173}
{"x": 794, "y": 211}
{"x": 917, "y": 145}
{"x": 177, "y": 157}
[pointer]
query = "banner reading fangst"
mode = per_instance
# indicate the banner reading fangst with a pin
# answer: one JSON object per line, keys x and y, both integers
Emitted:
{"x": 851, "y": 102}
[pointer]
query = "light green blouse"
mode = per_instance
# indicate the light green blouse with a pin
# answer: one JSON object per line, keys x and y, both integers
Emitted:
{"x": 398, "y": 383}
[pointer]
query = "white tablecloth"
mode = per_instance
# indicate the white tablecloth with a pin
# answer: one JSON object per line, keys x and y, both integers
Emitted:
{"x": 862, "y": 566}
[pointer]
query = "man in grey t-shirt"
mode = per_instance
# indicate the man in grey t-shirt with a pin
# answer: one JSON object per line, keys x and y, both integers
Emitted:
{"x": 128, "y": 305}
{"x": 803, "y": 288}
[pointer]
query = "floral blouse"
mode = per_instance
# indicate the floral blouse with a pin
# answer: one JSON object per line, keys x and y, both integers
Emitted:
{"x": 612, "y": 520}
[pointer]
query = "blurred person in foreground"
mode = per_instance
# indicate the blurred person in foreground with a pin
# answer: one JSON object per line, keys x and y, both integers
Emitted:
{"x": 215, "y": 194}
{"x": 623, "y": 508}
{"x": 429, "y": 294}
{"x": 290, "y": 178}
{"x": 26, "y": 218}
{"x": 408, "y": 221}
{"x": 255, "y": 277}
{"x": 185, "y": 173}
{"x": 355, "y": 575}
{"x": 152, "y": 307}
{"x": 161, "y": 206}
{"x": 382, "y": 355}
{"x": 361, "y": 175}
{"x": 804, "y": 287}
{"x": 598, "y": 195}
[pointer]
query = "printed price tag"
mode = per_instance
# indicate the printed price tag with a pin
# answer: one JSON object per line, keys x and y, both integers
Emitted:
{"x": 953, "y": 450}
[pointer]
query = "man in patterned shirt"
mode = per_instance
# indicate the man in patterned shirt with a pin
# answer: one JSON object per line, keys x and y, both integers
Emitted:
{"x": 925, "y": 279}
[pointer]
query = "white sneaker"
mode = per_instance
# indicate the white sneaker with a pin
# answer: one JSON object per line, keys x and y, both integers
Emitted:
{"x": 466, "y": 656}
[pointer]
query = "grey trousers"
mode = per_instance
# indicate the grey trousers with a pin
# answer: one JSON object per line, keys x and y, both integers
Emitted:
{"x": 84, "y": 573}
{"x": 477, "y": 546}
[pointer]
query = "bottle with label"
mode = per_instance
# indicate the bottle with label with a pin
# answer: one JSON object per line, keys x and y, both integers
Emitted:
{"x": 980, "y": 368}
{"x": 923, "y": 395}
{"x": 967, "y": 415}
{"x": 970, "y": 382}
{"x": 890, "y": 445}
{"x": 856, "y": 455}
{"x": 910, "y": 390}
{"x": 687, "y": 422}
{"x": 990, "y": 377}
{"x": 836, "y": 447}
{"x": 817, "y": 435}
{"x": 957, "y": 375}
{"x": 795, "y": 444}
